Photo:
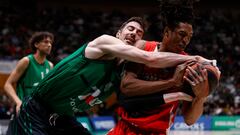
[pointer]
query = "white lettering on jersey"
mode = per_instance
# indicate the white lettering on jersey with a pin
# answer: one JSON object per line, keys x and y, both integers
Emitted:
{"x": 42, "y": 75}
{"x": 90, "y": 98}
{"x": 47, "y": 70}
{"x": 35, "y": 84}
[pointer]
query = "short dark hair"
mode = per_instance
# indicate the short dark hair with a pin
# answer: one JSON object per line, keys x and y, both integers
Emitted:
{"x": 38, "y": 37}
{"x": 139, "y": 20}
{"x": 174, "y": 12}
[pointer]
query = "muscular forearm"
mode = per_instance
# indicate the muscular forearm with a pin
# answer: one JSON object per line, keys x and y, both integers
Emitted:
{"x": 194, "y": 110}
{"x": 9, "y": 89}
{"x": 135, "y": 87}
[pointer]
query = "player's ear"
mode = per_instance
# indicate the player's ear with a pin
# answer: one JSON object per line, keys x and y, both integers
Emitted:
{"x": 118, "y": 34}
{"x": 36, "y": 45}
{"x": 166, "y": 31}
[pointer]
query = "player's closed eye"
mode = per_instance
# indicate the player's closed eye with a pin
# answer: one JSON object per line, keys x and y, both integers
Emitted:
{"x": 130, "y": 28}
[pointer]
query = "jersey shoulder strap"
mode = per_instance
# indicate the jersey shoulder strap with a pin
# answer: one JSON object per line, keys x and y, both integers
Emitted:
{"x": 150, "y": 46}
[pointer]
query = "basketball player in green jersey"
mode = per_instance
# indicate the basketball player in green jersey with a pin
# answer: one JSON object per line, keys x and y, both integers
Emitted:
{"x": 83, "y": 79}
{"x": 31, "y": 69}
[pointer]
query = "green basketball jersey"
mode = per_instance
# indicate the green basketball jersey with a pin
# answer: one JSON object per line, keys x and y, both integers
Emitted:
{"x": 77, "y": 83}
{"x": 34, "y": 73}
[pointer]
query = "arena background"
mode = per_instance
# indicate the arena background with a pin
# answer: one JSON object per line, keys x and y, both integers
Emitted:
{"x": 73, "y": 22}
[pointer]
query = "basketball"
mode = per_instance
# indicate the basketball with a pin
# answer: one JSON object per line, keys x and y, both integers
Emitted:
{"x": 213, "y": 78}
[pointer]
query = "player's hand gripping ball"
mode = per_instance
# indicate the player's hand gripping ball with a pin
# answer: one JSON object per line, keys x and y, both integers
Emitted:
{"x": 213, "y": 77}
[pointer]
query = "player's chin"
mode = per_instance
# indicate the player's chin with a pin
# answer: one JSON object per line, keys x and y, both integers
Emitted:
{"x": 129, "y": 42}
{"x": 47, "y": 52}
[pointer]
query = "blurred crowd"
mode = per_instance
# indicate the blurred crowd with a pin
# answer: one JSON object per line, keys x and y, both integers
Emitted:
{"x": 216, "y": 36}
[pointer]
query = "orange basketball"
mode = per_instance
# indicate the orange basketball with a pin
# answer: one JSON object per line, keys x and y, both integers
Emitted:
{"x": 213, "y": 78}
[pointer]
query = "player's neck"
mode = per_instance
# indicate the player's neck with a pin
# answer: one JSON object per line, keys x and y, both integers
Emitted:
{"x": 40, "y": 58}
{"x": 161, "y": 47}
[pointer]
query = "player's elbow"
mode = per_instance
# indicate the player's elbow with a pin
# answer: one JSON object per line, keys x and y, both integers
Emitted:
{"x": 124, "y": 88}
{"x": 128, "y": 84}
{"x": 6, "y": 85}
{"x": 189, "y": 121}
{"x": 127, "y": 92}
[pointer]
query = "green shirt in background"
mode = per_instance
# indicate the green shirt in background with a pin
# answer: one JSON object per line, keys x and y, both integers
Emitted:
{"x": 34, "y": 73}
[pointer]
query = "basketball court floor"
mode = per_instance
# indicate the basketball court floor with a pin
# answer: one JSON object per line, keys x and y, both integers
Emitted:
{"x": 204, "y": 132}
{"x": 193, "y": 133}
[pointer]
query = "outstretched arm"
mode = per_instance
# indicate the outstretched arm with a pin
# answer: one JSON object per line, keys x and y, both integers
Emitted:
{"x": 112, "y": 47}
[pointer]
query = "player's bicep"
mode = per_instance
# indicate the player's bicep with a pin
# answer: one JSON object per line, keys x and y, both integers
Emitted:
{"x": 100, "y": 46}
{"x": 19, "y": 70}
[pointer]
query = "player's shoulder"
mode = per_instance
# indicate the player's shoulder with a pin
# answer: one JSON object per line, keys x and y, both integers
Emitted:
{"x": 146, "y": 45}
{"x": 140, "y": 44}
{"x": 23, "y": 63}
{"x": 25, "y": 60}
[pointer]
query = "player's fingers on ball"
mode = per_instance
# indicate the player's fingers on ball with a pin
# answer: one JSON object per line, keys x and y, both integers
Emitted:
{"x": 192, "y": 74}
{"x": 192, "y": 83}
{"x": 205, "y": 74}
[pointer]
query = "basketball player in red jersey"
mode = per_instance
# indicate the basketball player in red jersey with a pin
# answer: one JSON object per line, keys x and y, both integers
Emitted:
{"x": 144, "y": 89}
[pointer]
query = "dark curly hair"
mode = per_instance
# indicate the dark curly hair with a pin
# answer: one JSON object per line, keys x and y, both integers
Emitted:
{"x": 175, "y": 11}
{"x": 38, "y": 37}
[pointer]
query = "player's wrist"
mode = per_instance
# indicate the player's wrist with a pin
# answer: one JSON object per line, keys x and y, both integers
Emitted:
{"x": 18, "y": 102}
{"x": 172, "y": 82}
{"x": 200, "y": 99}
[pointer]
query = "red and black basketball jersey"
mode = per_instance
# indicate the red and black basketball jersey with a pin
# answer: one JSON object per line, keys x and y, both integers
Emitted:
{"x": 144, "y": 72}
{"x": 148, "y": 111}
